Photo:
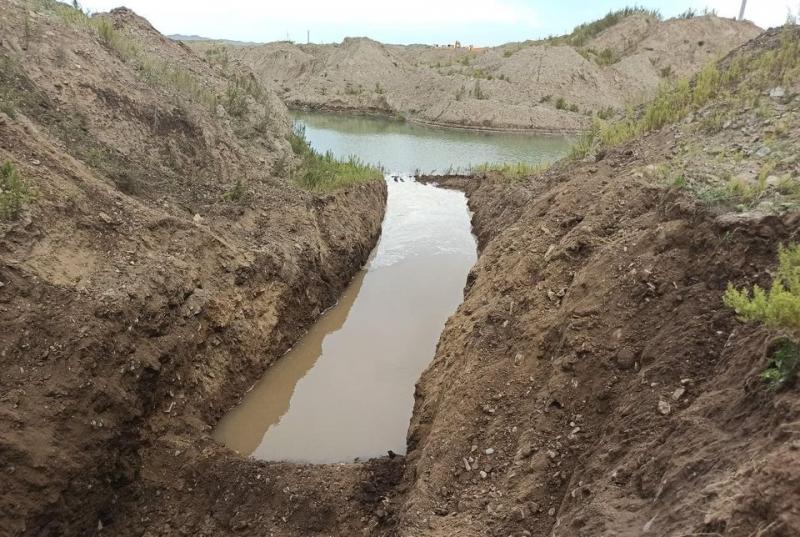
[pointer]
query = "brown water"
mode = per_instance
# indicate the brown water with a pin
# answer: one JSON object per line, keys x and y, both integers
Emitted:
{"x": 346, "y": 390}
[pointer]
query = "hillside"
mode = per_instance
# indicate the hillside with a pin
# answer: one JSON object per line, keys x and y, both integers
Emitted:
{"x": 554, "y": 85}
{"x": 155, "y": 256}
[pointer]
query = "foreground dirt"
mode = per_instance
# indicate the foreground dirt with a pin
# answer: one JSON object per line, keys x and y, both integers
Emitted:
{"x": 516, "y": 86}
{"x": 141, "y": 290}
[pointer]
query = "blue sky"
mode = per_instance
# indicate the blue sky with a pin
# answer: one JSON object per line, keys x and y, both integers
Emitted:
{"x": 482, "y": 22}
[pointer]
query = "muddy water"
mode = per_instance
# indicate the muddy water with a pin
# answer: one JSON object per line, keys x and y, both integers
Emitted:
{"x": 346, "y": 389}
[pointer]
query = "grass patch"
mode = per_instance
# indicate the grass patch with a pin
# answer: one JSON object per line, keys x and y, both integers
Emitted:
{"x": 513, "y": 171}
{"x": 584, "y": 32}
{"x": 324, "y": 172}
{"x": 779, "y": 309}
{"x": 14, "y": 193}
{"x": 674, "y": 101}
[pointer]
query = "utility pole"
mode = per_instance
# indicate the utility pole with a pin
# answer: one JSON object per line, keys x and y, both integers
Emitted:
{"x": 741, "y": 11}
{"x": 308, "y": 37}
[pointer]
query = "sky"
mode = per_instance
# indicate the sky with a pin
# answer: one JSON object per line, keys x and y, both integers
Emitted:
{"x": 477, "y": 22}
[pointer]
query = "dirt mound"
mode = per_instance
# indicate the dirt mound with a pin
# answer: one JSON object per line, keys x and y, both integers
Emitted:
{"x": 592, "y": 383}
{"x": 553, "y": 85}
{"x": 161, "y": 261}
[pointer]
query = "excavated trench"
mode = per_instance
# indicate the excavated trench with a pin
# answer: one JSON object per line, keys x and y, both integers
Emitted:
{"x": 346, "y": 390}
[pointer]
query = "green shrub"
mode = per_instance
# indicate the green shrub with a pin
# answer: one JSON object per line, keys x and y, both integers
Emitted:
{"x": 561, "y": 103}
{"x": 238, "y": 193}
{"x": 477, "y": 92}
{"x": 14, "y": 193}
{"x": 778, "y": 308}
{"x": 235, "y": 100}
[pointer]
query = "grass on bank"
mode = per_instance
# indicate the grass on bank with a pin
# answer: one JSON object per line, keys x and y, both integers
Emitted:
{"x": 513, "y": 171}
{"x": 14, "y": 193}
{"x": 778, "y": 309}
{"x": 324, "y": 172}
{"x": 742, "y": 79}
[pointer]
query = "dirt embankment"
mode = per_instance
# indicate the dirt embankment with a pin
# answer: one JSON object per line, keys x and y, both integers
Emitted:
{"x": 548, "y": 86}
{"x": 592, "y": 383}
{"x": 162, "y": 261}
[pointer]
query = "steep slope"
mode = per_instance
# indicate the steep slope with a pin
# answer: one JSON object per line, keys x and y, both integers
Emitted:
{"x": 592, "y": 383}
{"x": 154, "y": 257}
{"x": 553, "y": 85}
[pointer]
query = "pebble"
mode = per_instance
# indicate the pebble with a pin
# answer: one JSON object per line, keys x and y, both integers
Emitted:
{"x": 777, "y": 92}
{"x": 489, "y": 451}
{"x": 763, "y": 151}
{"x": 518, "y": 358}
{"x": 551, "y": 511}
{"x": 678, "y": 393}
{"x": 484, "y": 475}
{"x": 663, "y": 407}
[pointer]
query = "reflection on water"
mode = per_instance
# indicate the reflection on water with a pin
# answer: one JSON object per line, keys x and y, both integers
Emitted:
{"x": 346, "y": 390}
{"x": 406, "y": 147}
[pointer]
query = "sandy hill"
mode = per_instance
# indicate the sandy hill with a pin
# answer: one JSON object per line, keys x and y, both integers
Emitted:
{"x": 152, "y": 253}
{"x": 550, "y": 85}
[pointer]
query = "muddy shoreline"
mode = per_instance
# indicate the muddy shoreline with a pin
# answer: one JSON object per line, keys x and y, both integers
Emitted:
{"x": 399, "y": 116}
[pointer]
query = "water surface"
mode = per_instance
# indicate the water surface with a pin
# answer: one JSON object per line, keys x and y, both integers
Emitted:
{"x": 403, "y": 147}
{"x": 346, "y": 390}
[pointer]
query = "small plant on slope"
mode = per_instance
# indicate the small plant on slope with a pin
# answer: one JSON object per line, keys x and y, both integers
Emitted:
{"x": 14, "y": 194}
{"x": 778, "y": 308}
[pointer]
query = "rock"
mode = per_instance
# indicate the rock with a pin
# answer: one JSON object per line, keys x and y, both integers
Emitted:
{"x": 678, "y": 393}
{"x": 489, "y": 451}
{"x": 197, "y": 219}
{"x": 519, "y": 514}
{"x": 484, "y": 475}
{"x": 663, "y": 407}
{"x": 763, "y": 151}
{"x": 551, "y": 511}
{"x": 105, "y": 218}
{"x": 466, "y": 465}
{"x": 773, "y": 180}
{"x": 625, "y": 358}
{"x": 777, "y": 92}
{"x": 518, "y": 358}
{"x": 524, "y": 452}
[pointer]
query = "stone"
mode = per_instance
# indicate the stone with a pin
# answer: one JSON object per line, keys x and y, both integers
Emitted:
{"x": 105, "y": 218}
{"x": 197, "y": 219}
{"x": 484, "y": 475}
{"x": 678, "y": 393}
{"x": 489, "y": 451}
{"x": 763, "y": 151}
{"x": 518, "y": 358}
{"x": 625, "y": 358}
{"x": 519, "y": 514}
{"x": 777, "y": 92}
{"x": 551, "y": 511}
{"x": 664, "y": 407}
